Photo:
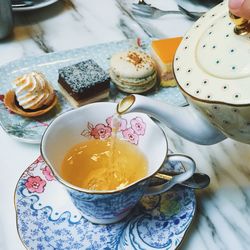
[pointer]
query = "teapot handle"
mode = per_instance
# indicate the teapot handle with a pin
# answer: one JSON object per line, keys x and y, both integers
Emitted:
{"x": 189, "y": 171}
{"x": 242, "y": 25}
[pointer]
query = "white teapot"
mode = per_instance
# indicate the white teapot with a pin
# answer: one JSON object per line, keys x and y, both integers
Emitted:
{"x": 212, "y": 69}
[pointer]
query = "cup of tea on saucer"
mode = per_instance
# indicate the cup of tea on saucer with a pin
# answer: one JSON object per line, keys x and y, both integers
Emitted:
{"x": 106, "y": 161}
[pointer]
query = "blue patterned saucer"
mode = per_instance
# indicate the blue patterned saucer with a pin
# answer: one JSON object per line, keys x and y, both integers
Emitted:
{"x": 47, "y": 219}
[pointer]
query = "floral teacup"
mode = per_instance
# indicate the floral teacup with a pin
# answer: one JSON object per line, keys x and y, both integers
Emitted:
{"x": 95, "y": 121}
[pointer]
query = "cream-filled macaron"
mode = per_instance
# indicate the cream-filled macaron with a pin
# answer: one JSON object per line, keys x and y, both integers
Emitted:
{"x": 133, "y": 71}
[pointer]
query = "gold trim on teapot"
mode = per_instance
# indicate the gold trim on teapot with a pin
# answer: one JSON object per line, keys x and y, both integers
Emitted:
{"x": 242, "y": 25}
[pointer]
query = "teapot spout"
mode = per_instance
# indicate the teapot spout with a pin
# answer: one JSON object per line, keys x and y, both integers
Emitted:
{"x": 184, "y": 121}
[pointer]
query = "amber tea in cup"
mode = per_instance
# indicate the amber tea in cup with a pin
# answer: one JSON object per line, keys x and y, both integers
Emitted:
{"x": 109, "y": 164}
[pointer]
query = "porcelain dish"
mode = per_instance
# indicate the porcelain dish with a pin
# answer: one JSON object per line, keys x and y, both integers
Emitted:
{"x": 37, "y": 5}
{"x": 138, "y": 130}
{"x": 47, "y": 218}
{"x": 31, "y": 130}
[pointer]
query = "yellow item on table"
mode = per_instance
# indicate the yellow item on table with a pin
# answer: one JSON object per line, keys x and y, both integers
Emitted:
{"x": 163, "y": 52}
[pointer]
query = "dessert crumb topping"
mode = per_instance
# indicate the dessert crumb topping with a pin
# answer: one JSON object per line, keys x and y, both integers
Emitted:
{"x": 139, "y": 60}
{"x": 134, "y": 58}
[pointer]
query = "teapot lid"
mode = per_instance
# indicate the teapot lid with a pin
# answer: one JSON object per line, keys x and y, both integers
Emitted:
{"x": 212, "y": 63}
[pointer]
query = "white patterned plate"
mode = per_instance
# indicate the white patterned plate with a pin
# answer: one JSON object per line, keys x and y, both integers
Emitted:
{"x": 37, "y": 5}
{"x": 47, "y": 219}
{"x": 31, "y": 130}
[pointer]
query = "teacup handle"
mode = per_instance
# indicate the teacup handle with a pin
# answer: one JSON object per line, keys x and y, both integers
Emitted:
{"x": 191, "y": 166}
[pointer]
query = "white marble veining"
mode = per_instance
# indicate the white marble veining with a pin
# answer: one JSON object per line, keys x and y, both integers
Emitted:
{"x": 223, "y": 209}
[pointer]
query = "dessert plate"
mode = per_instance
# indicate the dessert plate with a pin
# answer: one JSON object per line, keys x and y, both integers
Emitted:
{"x": 36, "y": 5}
{"x": 47, "y": 219}
{"x": 31, "y": 130}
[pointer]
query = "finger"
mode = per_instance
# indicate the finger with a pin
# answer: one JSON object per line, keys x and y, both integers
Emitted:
{"x": 240, "y": 8}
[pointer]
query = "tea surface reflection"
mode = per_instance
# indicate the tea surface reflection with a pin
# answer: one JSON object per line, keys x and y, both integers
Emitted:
{"x": 109, "y": 164}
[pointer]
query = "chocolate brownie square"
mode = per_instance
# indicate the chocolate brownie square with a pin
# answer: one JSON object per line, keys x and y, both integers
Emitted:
{"x": 84, "y": 82}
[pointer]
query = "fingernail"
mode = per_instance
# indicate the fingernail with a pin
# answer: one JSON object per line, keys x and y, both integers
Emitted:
{"x": 235, "y": 4}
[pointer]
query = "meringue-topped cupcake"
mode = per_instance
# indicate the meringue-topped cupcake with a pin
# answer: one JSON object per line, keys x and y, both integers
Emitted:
{"x": 33, "y": 91}
{"x": 33, "y": 95}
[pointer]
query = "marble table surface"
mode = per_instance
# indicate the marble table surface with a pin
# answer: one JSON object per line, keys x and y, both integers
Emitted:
{"x": 222, "y": 220}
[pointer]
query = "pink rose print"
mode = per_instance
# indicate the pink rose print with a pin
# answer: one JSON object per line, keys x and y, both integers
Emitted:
{"x": 48, "y": 174}
{"x": 100, "y": 131}
{"x": 122, "y": 123}
{"x": 35, "y": 184}
{"x": 130, "y": 135}
{"x": 109, "y": 121}
{"x": 138, "y": 126}
{"x": 38, "y": 160}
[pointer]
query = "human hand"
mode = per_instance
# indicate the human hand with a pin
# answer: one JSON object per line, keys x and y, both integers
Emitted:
{"x": 240, "y": 8}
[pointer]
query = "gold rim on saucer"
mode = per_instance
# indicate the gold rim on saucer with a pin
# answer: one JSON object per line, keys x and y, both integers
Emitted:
{"x": 10, "y": 103}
